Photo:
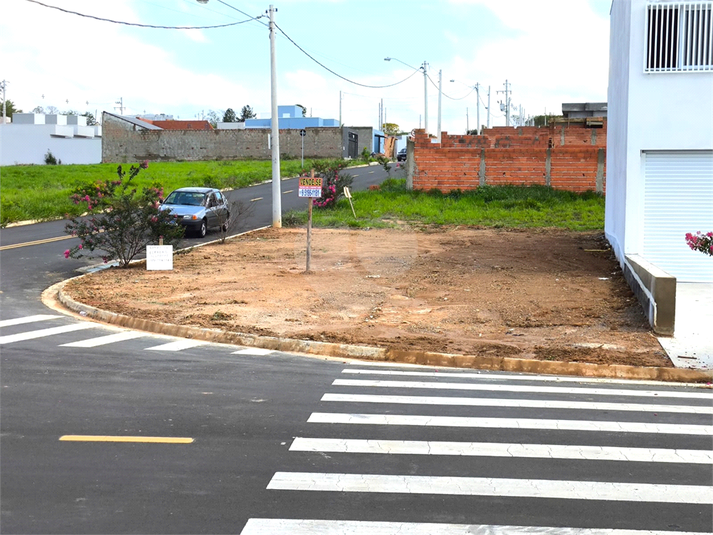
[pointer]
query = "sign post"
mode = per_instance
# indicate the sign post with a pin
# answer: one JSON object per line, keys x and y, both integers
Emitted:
{"x": 303, "y": 133}
{"x": 348, "y": 195}
{"x": 310, "y": 187}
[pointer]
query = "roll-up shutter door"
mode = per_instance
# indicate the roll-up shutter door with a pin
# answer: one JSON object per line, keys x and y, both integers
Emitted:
{"x": 678, "y": 198}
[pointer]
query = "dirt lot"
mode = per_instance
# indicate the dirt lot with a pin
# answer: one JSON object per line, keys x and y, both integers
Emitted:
{"x": 544, "y": 294}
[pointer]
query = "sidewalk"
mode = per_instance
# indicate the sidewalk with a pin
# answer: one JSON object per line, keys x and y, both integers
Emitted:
{"x": 692, "y": 343}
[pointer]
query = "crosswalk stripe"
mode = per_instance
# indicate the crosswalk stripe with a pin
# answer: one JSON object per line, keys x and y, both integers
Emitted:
{"x": 509, "y": 423}
{"x": 28, "y": 319}
{"x": 103, "y": 340}
{"x": 31, "y": 335}
{"x": 254, "y": 351}
{"x": 284, "y": 526}
{"x": 499, "y": 449}
{"x": 178, "y": 345}
{"x": 525, "y": 388}
{"x": 517, "y": 403}
{"x": 489, "y": 376}
{"x": 500, "y": 487}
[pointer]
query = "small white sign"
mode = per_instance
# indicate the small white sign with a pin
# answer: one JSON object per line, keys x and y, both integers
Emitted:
{"x": 159, "y": 257}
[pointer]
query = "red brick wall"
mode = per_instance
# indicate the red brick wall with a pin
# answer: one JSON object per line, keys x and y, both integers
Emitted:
{"x": 513, "y": 156}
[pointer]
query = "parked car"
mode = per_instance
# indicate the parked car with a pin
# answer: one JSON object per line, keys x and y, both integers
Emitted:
{"x": 401, "y": 156}
{"x": 198, "y": 209}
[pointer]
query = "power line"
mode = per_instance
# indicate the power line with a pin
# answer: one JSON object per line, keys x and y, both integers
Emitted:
{"x": 142, "y": 25}
{"x": 447, "y": 96}
{"x": 337, "y": 74}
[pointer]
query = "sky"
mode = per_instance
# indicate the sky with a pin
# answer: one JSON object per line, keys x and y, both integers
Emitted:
{"x": 549, "y": 52}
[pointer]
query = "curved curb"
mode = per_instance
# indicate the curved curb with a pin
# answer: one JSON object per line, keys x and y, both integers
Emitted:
{"x": 425, "y": 358}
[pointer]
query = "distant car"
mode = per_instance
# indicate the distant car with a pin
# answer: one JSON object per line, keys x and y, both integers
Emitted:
{"x": 401, "y": 156}
{"x": 198, "y": 209}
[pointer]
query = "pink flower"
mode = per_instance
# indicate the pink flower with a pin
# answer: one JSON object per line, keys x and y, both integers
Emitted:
{"x": 66, "y": 253}
{"x": 144, "y": 164}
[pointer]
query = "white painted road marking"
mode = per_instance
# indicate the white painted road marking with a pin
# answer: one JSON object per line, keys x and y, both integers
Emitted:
{"x": 510, "y": 423}
{"x": 525, "y": 388}
{"x": 517, "y": 403}
{"x": 286, "y": 526}
{"x": 496, "y": 376}
{"x": 498, "y": 449}
{"x": 103, "y": 340}
{"x": 501, "y": 487}
{"x": 31, "y": 335}
{"x": 255, "y": 351}
{"x": 178, "y": 345}
{"x": 28, "y": 319}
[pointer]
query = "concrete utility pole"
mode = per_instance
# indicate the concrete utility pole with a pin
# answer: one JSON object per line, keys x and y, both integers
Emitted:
{"x": 488, "y": 106}
{"x": 425, "y": 96}
{"x": 440, "y": 93}
{"x": 340, "y": 109}
{"x": 120, "y": 103}
{"x": 3, "y": 85}
{"x": 275, "y": 136}
{"x": 505, "y": 106}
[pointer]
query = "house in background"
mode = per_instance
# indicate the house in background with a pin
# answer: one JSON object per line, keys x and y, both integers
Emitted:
{"x": 660, "y": 147}
{"x": 31, "y": 136}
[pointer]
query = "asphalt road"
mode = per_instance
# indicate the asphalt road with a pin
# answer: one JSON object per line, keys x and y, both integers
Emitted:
{"x": 253, "y": 442}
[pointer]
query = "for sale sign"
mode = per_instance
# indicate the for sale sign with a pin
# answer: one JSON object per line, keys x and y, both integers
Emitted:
{"x": 310, "y": 186}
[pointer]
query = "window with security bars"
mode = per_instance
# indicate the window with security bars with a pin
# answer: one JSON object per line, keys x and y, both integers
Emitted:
{"x": 679, "y": 36}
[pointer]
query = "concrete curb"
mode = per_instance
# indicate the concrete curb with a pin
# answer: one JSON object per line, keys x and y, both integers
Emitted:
{"x": 425, "y": 358}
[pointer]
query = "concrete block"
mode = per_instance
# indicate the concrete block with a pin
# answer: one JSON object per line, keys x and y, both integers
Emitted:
{"x": 656, "y": 291}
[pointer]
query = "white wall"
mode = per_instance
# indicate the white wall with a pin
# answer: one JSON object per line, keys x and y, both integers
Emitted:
{"x": 617, "y": 126}
{"x": 28, "y": 144}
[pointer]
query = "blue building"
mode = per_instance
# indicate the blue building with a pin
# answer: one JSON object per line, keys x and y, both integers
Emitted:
{"x": 290, "y": 117}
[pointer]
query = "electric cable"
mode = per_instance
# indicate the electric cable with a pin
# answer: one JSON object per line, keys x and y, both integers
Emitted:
{"x": 337, "y": 74}
{"x": 142, "y": 25}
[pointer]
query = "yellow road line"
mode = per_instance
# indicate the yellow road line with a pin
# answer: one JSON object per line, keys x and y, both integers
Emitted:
{"x": 256, "y": 199}
{"x": 288, "y": 191}
{"x": 37, "y": 242}
{"x": 108, "y": 438}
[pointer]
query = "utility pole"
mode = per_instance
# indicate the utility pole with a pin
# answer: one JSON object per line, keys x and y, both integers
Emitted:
{"x": 425, "y": 96}
{"x": 506, "y": 105}
{"x": 467, "y": 124}
{"x": 488, "y": 106}
{"x": 477, "y": 112}
{"x": 3, "y": 85}
{"x": 440, "y": 92}
{"x": 340, "y": 109}
{"x": 275, "y": 132}
{"x": 120, "y": 102}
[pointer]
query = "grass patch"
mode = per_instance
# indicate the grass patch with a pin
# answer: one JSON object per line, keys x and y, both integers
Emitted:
{"x": 489, "y": 206}
{"x": 42, "y": 192}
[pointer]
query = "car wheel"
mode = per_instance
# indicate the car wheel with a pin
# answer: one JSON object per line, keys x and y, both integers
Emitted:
{"x": 226, "y": 223}
{"x": 203, "y": 229}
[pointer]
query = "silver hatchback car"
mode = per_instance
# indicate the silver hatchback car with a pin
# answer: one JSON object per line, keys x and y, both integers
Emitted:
{"x": 198, "y": 209}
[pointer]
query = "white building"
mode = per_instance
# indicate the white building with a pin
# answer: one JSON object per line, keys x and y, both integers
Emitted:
{"x": 30, "y": 136}
{"x": 660, "y": 136}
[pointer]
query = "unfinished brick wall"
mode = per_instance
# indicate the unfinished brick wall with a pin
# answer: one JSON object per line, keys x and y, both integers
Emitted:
{"x": 567, "y": 156}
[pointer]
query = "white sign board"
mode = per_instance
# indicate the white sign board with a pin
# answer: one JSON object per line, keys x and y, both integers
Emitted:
{"x": 159, "y": 257}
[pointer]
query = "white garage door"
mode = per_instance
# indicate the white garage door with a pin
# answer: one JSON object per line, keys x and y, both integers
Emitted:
{"x": 678, "y": 198}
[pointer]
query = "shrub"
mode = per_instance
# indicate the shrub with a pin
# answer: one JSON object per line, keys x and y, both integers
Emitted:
{"x": 120, "y": 222}
{"x": 50, "y": 159}
{"x": 700, "y": 242}
{"x": 333, "y": 182}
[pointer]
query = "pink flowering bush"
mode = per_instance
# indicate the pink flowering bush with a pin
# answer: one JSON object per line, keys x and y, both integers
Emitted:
{"x": 120, "y": 221}
{"x": 333, "y": 182}
{"x": 700, "y": 242}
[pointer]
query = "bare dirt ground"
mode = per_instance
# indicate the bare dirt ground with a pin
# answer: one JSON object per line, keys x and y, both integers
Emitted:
{"x": 543, "y": 294}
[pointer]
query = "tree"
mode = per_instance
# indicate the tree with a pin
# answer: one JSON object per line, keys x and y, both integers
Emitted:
{"x": 213, "y": 117}
{"x": 120, "y": 221}
{"x": 229, "y": 116}
{"x": 390, "y": 129}
{"x": 544, "y": 120}
{"x": 246, "y": 113}
{"x": 10, "y": 108}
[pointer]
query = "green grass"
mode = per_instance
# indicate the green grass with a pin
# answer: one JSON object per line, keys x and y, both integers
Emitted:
{"x": 490, "y": 206}
{"x": 42, "y": 192}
